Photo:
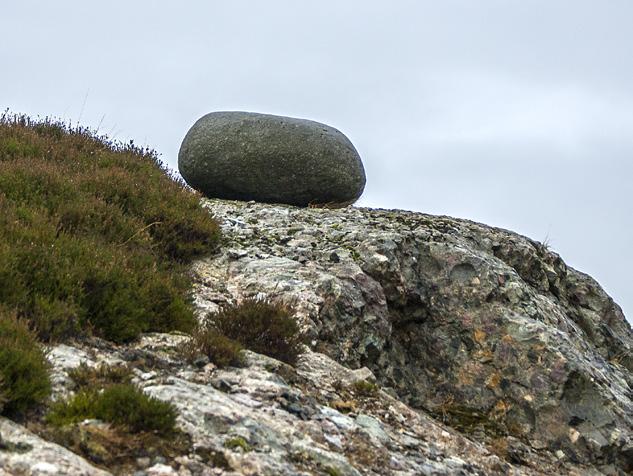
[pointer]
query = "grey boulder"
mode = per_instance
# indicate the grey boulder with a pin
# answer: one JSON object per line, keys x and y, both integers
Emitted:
{"x": 274, "y": 159}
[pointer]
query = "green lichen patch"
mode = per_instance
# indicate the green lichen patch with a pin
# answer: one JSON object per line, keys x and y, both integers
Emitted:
{"x": 237, "y": 442}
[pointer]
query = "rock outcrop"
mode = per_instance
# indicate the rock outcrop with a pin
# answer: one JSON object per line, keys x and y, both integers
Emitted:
{"x": 22, "y": 452}
{"x": 275, "y": 159}
{"x": 437, "y": 346}
{"x": 485, "y": 329}
{"x": 266, "y": 419}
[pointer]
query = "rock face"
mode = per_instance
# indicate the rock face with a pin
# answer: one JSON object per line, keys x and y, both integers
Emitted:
{"x": 438, "y": 346}
{"x": 22, "y": 452}
{"x": 274, "y": 159}
{"x": 485, "y": 329}
{"x": 314, "y": 419}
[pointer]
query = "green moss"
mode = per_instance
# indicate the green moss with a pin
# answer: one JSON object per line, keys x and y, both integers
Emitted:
{"x": 94, "y": 235}
{"x": 238, "y": 442}
{"x": 119, "y": 404}
{"x": 364, "y": 388}
{"x": 263, "y": 326}
{"x": 24, "y": 370}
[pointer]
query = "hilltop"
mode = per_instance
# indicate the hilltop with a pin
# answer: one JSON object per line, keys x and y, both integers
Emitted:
{"x": 433, "y": 345}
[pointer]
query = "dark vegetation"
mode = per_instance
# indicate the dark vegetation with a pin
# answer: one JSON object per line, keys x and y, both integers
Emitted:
{"x": 95, "y": 238}
{"x": 136, "y": 425}
{"x": 24, "y": 378}
{"x": 121, "y": 404}
{"x": 264, "y": 326}
{"x": 86, "y": 376}
{"x": 219, "y": 349}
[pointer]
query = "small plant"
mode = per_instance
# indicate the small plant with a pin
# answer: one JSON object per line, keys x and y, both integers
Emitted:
{"x": 140, "y": 426}
{"x": 100, "y": 376}
{"x": 364, "y": 388}
{"x": 220, "y": 350}
{"x": 238, "y": 442}
{"x": 24, "y": 370}
{"x": 119, "y": 404}
{"x": 261, "y": 325}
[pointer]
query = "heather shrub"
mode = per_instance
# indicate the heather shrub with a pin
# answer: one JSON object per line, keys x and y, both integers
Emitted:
{"x": 220, "y": 350}
{"x": 262, "y": 325}
{"x": 85, "y": 376}
{"x": 120, "y": 404}
{"x": 95, "y": 236}
{"x": 24, "y": 371}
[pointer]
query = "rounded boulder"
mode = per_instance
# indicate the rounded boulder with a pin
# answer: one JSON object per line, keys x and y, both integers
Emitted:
{"x": 274, "y": 159}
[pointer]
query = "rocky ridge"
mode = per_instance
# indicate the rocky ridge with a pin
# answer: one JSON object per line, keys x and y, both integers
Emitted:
{"x": 437, "y": 346}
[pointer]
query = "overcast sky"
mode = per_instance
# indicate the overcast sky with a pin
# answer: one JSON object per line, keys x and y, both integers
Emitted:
{"x": 515, "y": 113}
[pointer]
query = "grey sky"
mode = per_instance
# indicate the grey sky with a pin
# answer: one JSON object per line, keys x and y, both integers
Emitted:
{"x": 515, "y": 113}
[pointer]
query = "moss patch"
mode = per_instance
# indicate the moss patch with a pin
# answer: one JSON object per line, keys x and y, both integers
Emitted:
{"x": 363, "y": 388}
{"x": 237, "y": 442}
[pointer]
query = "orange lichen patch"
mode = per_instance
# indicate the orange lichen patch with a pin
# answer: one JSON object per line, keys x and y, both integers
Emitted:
{"x": 346, "y": 406}
{"x": 500, "y": 410}
{"x": 493, "y": 380}
{"x": 507, "y": 339}
{"x": 479, "y": 336}
{"x": 469, "y": 372}
{"x": 483, "y": 355}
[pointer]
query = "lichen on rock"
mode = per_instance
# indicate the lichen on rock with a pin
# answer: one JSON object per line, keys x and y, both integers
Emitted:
{"x": 485, "y": 329}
